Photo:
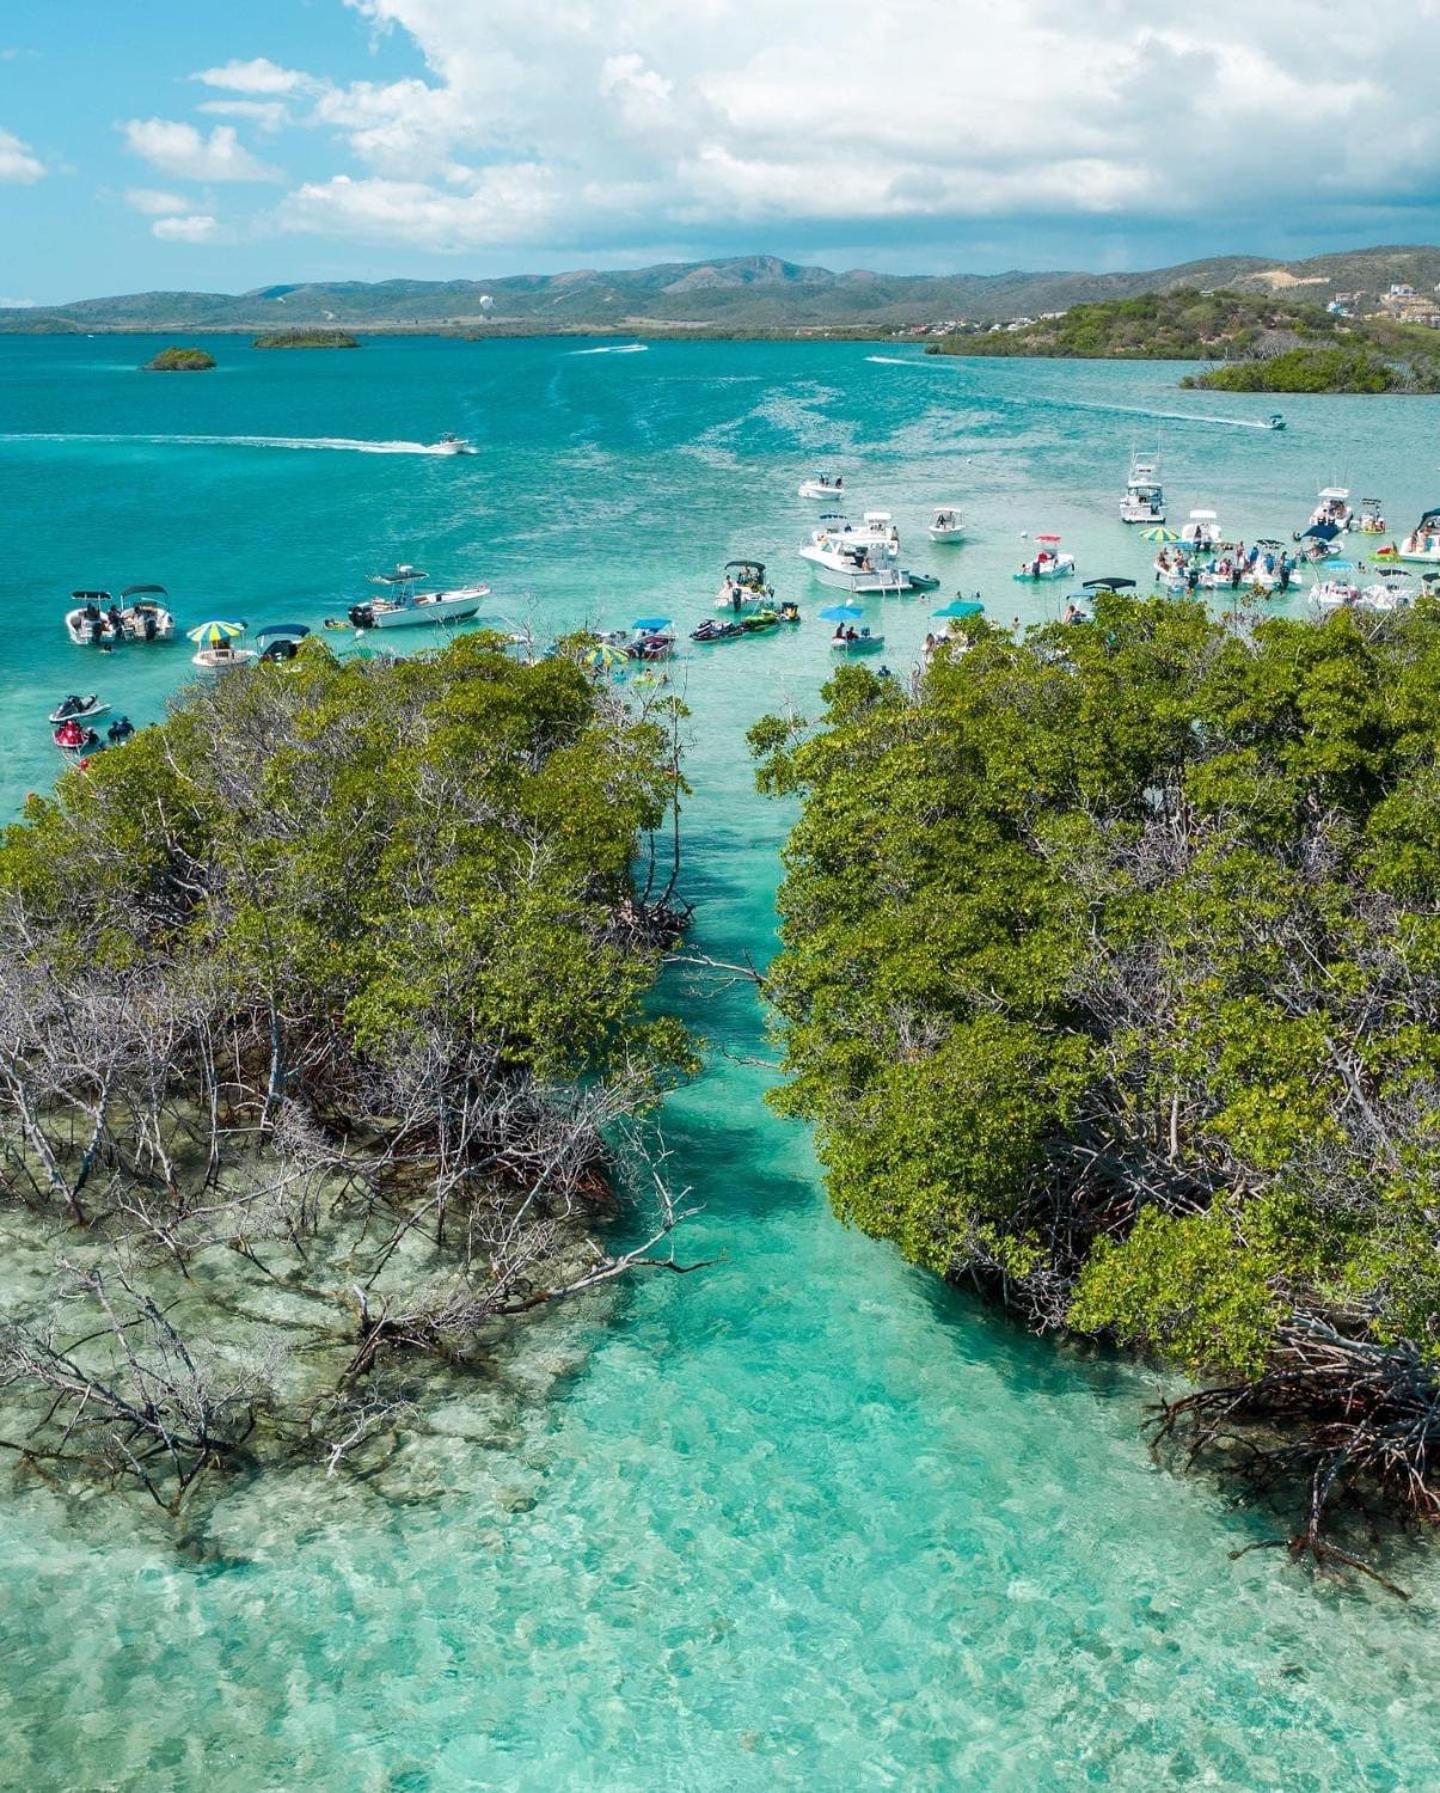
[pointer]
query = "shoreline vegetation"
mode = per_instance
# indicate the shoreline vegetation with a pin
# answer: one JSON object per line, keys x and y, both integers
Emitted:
{"x": 306, "y": 339}
{"x": 324, "y": 1057}
{"x": 1266, "y": 343}
{"x": 181, "y": 361}
{"x": 1110, "y": 981}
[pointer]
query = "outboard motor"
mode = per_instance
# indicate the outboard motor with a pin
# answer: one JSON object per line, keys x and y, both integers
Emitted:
{"x": 361, "y": 616}
{"x": 150, "y": 627}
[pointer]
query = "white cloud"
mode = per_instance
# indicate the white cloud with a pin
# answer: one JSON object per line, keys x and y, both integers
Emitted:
{"x": 197, "y": 228}
{"x": 153, "y": 203}
{"x": 266, "y": 115}
{"x": 185, "y": 153}
{"x": 18, "y": 162}
{"x": 566, "y": 120}
{"x": 17, "y": 304}
{"x": 258, "y": 76}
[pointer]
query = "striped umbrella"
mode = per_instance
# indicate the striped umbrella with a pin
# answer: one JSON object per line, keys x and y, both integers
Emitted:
{"x": 212, "y": 634}
{"x": 603, "y": 657}
{"x": 1159, "y": 534}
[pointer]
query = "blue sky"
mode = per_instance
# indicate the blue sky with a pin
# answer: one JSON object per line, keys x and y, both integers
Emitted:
{"x": 163, "y": 144}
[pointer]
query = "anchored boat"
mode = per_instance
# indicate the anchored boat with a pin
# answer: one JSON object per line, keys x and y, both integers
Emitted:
{"x": 1144, "y": 500}
{"x": 407, "y": 602}
{"x": 143, "y": 617}
{"x": 948, "y": 525}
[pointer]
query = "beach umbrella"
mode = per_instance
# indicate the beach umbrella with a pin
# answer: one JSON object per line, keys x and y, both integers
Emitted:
{"x": 1047, "y": 538}
{"x": 1159, "y": 534}
{"x": 650, "y": 625}
{"x": 842, "y": 613}
{"x": 212, "y": 634}
{"x": 1339, "y": 566}
{"x": 603, "y": 657}
{"x": 958, "y": 607}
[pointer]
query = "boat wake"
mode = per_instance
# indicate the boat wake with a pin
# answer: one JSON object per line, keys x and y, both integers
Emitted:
{"x": 615, "y": 348}
{"x": 337, "y": 444}
{"x": 895, "y": 360}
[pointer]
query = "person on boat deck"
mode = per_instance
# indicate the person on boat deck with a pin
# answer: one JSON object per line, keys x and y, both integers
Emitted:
{"x": 839, "y": 634}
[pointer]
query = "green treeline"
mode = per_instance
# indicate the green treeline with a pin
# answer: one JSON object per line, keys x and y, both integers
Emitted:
{"x": 1111, "y": 981}
{"x": 306, "y": 339}
{"x": 1312, "y": 370}
{"x": 322, "y": 1002}
{"x": 180, "y": 361}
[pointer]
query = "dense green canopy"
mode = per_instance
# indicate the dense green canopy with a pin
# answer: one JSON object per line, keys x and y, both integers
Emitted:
{"x": 1111, "y": 977}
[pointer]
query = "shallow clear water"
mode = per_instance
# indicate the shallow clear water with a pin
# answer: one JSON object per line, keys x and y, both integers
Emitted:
{"x": 802, "y": 1519}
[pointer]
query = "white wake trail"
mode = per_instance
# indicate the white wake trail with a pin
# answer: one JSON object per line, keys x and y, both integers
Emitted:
{"x": 334, "y": 444}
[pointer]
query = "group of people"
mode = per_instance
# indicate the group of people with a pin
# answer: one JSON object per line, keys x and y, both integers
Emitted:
{"x": 1233, "y": 567}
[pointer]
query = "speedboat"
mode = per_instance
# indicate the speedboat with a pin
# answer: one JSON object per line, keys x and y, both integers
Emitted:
{"x": 650, "y": 644}
{"x": 1274, "y": 421}
{"x": 280, "y": 641}
{"x": 948, "y": 525}
{"x": 1334, "y": 594}
{"x": 406, "y": 603}
{"x": 95, "y": 621}
{"x": 1144, "y": 500}
{"x": 1371, "y": 521}
{"x": 743, "y": 586}
{"x": 1333, "y": 506}
{"x": 1047, "y": 562}
{"x": 855, "y": 641}
{"x": 222, "y": 656}
{"x": 78, "y": 709}
{"x": 861, "y": 560}
{"x": 142, "y": 616}
{"x": 822, "y": 486}
{"x": 452, "y": 444}
{"x": 1422, "y": 545}
{"x": 1200, "y": 532}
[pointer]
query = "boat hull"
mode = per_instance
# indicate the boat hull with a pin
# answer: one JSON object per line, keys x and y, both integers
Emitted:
{"x": 442, "y": 610}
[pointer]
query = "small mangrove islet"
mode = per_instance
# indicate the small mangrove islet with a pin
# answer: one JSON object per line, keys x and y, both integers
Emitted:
{"x": 306, "y": 339}
{"x": 181, "y": 361}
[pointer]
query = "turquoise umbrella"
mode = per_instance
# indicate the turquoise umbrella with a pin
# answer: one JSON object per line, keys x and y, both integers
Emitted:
{"x": 842, "y": 613}
{"x": 959, "y": 607}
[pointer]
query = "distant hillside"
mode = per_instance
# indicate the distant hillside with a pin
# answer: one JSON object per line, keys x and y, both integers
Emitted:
{"x": 744, "y": 295}
{"x": 1267, "y": 343}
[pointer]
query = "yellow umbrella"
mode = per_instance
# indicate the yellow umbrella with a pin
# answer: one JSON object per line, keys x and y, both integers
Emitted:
{"x": 212, "y": 634}
{"x": 604, "y": 657}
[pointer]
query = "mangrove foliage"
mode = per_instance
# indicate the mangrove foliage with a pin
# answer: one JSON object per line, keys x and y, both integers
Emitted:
{"x": 322, "y": 1034}
{"x": 1111, "y": 981}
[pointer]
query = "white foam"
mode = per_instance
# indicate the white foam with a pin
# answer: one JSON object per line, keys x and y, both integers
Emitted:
{"x": 339, "y": 444}
{"x": 615, "y": 348}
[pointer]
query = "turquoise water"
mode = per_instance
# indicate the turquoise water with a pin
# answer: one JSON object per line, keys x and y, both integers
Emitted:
{"x": 804, "y": 1519}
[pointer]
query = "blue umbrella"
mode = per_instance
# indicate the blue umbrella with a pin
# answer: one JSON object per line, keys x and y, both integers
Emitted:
{"x": 959, "y": 607}
{"x": 650, "y": 625}
{"x": 842, "y": 613}
{"x": 1339, "y": 566}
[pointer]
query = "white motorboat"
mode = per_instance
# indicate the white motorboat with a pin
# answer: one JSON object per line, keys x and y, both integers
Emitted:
{"x": 1390, "y": 592}
{"x": 1422, "y": 545}
{"x": 407, "y": 602}
{"x": 865, "y": 560}
{"x": 1372, "y": 520}
{"x": 143, "y": 616}
{"x": 947, "y": 525}
{"x": 1200, "y": 532}
{"x": 450, "y": 444}
{"x": 1144, "y": 500}
{"x": 1332, "y": 506}
{"x": 95, "y": 621}
{"x": 1334, "y": 594}
{"x": 822, "y": 486}
{"x": 1047, "y": 562}
{"x": 855, "y": 641}
{"x": 744, "y": 586}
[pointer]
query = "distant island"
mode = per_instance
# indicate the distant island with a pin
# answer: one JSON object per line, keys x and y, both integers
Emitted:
{"x": 306, "y": 339}
{"x": 755, "y": 296}
{"x": 1267, "y": 343}
{"x": 180, "y": 361}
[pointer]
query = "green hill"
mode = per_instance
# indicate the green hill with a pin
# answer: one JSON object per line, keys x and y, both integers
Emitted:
{"x": 1267, "y": 343}
{"x": 738, "y": 295}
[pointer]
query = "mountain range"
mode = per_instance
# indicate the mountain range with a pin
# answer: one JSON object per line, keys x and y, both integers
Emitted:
{"x": 741, "y": 295}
